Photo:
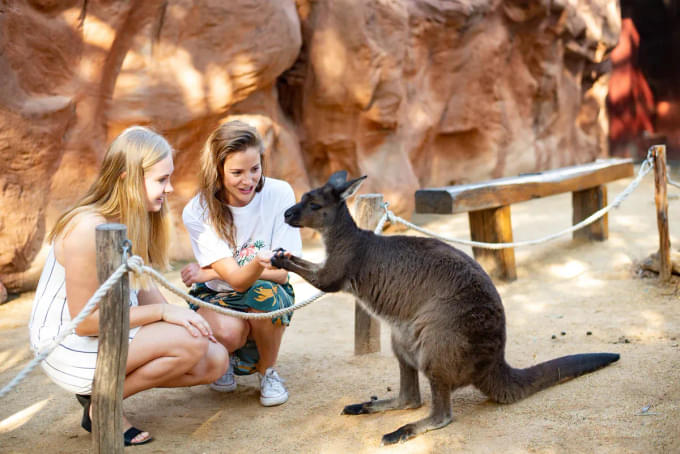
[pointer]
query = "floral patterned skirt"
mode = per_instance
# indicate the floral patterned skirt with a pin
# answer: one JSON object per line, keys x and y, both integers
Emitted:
{"x": 263, "y": 296}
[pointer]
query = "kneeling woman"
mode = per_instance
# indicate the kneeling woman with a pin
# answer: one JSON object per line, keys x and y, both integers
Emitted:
{"x": 234, "y": 221}
{"x": 170, "y": 346}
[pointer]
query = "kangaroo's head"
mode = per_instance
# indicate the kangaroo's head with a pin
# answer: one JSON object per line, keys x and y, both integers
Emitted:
{"x": 319, "y": 207}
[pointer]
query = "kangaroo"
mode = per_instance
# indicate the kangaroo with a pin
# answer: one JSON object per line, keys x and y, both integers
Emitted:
{"x": 446, "y": 315}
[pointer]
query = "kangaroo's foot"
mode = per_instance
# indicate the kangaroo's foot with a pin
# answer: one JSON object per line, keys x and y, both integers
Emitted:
{"x": 411, "y": 430}
{"x": 376, "y": 406}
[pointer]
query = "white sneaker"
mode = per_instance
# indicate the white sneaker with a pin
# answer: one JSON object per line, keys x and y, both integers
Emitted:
{"x": 227, "y": 382}
{"x": 272, "y": 391}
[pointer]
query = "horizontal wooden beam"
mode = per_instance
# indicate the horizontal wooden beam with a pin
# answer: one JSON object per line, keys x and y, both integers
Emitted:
{"x": 506, "y": 191}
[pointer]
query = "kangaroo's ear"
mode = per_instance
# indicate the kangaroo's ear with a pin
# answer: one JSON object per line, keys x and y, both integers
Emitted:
{"x": 338, "y": 179}
{"x": 350, "y": 187}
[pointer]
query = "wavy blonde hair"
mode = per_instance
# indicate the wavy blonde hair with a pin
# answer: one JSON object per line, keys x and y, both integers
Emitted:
{"x": 231, "y": 137}
{"x": 119, "y": 194}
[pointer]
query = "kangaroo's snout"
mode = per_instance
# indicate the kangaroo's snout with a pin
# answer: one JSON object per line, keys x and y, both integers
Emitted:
{"x": 289, "y": 216}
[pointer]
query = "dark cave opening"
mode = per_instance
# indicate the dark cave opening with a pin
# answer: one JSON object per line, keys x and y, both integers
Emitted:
{"x": 644, "y": 89}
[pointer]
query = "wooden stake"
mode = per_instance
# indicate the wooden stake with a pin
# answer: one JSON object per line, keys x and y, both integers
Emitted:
{"x": 114, "y": 327}
{"x": 584, "y": 204}
{"x": 493, "y": 225}
{"x": 661, "y": 200}
{"x": 368, "y": 211}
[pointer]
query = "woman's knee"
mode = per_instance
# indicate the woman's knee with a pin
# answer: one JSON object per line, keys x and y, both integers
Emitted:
{"x": 192, "y": 347}
{"x": 213, "y": 365}
{"x": 265, "y": 325}
{"x": 232, "y": 334}
{"x": 217, "y": 360}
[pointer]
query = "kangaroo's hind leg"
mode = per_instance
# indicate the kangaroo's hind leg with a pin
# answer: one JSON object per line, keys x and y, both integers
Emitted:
{"x": 439, "y": 417}
{"x": 409, "y": 391}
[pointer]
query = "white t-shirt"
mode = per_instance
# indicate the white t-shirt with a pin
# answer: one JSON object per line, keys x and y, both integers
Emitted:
{"x": 259, "y": 225}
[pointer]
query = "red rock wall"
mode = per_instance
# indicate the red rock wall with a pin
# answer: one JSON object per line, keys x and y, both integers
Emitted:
{"x": 411, "y": 92}
{"x": 630, "y": 101}
{"x": 421, "y": 93}
{"x": 644, "y": 94}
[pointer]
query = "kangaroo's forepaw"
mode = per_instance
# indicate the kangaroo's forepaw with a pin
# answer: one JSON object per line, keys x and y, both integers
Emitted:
{"x": 398, "y": 436}
{"x": 279, "y": 258}
{"x": 357, "y": 409}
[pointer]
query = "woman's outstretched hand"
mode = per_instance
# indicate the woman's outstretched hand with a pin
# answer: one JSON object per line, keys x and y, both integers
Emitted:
{"x": 264, "y": 257}
{"x": 192, "y": 321}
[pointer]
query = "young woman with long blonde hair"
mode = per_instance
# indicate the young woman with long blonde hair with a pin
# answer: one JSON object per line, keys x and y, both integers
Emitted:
{"x": 234, "y": 222}
{"x": 170, "y": 346}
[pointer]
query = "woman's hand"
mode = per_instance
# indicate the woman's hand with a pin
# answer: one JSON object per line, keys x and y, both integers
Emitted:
{"x": 194, "y": 273}
{"x": 264, "y": 257}
{"x": 192, "y": 321}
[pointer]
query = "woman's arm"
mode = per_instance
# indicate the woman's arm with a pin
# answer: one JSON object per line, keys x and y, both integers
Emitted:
{"x": 193, "y": 273}
{"x": 171, "y": 313}
{"x": 150, "y": 296}
{"x": 235, "y": 275}
{"x": 280, "y": 276}
{"x": 240, "y": 278}
{"x": 76, "y": 252}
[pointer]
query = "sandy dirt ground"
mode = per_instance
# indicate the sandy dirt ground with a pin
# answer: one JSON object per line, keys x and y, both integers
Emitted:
{"x": 564, "y": 291}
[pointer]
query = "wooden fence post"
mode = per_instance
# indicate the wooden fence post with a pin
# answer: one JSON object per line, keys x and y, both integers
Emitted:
{"x": 114, "y": 327}
{"x": 493, "y": 225}
{"x": 661, "y": 200}
{"x": 368, "y": 211}
{"x": 584, "y": 203}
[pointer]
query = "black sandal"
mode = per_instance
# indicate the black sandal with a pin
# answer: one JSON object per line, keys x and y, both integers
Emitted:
{"x": 83, "y": 399}
{"x": 130, "y": 435}
{"x": 86, "y": 422}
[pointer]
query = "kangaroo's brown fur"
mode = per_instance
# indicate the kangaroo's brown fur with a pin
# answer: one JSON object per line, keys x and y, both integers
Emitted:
{"x": 446, "y": 316}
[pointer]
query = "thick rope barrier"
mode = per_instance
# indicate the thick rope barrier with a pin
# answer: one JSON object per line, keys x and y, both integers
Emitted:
{"x": 645, "y": 168}
{"x": 70, "y": 328}
{"x": 136, "y": 265}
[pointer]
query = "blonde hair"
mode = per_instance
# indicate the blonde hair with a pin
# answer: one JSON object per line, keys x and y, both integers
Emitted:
{"x": 119, "y": 194}
{"x": 231, "y": 137}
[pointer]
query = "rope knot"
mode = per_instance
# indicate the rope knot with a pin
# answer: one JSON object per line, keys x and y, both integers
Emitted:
{"x": 135, "y": 264}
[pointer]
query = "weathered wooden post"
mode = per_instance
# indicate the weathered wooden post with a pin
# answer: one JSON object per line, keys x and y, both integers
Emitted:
{"x": 584, "y": 203}
{"x": 661, "y": 200}
{"x": 368, "y": 211}
{"x": 114, "y": 327}
{"x": 493, "y": 225}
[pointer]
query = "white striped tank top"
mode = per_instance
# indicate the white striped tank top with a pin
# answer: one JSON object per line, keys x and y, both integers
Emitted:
{"x": 50, "y": 314}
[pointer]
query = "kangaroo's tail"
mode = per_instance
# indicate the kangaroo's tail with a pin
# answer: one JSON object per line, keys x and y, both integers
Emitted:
{"x": 505, "y": 384}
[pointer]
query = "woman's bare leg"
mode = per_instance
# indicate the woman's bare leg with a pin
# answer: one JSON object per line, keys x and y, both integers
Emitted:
{"x": 233, "y": 332}
{"x": 268, "y": 338}
{"x": 178, "y": 360}
{"x": 230, "y": 331}
{"x": 211, "y": 367}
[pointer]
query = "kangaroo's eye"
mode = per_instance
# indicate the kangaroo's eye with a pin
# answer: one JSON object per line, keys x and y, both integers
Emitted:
{"x": 314, "y": 206}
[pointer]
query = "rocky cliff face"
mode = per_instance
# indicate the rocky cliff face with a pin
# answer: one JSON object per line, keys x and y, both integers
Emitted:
{"x": 411, "y": 92}
{"x": 644, "y": 94}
